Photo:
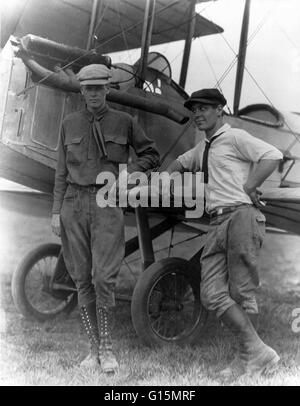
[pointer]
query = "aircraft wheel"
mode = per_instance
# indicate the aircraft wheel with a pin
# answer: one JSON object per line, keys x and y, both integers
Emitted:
{"x": 31, "y": 285}
{"x": 166, "y": 305}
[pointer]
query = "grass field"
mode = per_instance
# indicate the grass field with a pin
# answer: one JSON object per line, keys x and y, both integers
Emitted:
{"x": 34, "y": 353}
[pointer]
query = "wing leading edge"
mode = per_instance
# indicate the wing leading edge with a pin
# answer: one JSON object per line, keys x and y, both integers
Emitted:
{"x": 118, "y": 23}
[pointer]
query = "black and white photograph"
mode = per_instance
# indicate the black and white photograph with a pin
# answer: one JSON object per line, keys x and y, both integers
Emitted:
{"x": 150, "y": 195}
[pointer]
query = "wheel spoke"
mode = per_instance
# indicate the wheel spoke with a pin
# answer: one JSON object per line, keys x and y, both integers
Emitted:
{"x": 166, "y": 305}
{"x": 174, "y": 302}
{"x": 38, "y": 290}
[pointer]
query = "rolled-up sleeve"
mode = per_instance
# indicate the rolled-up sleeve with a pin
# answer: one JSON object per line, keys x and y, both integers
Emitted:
{"x": 190, "y": 160}
{"x": 60, "y": 184}
{"x": 254, "y": 149}
{"x": 145, "y": 149}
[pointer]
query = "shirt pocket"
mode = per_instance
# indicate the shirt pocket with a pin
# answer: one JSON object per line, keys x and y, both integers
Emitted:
{"x": 74, "y": 150}
{"x": 217, "y": 159}
{"x": 117, "y": 148}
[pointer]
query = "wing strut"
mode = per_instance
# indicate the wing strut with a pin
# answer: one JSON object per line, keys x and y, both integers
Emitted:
{"x": 188, "y": 42}
{"x": 92, "y": 25}
{"x": 146, "y": 39}
{"x": 241, "y": 58}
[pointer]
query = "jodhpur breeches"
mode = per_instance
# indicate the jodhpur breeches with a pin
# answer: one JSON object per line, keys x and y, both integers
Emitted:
{"x": 229, "y": 272}
{"x": 93, "y": 245}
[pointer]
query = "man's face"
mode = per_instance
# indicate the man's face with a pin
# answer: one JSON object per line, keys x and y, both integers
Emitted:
{"x": 206, "y": 115}
{"x": 94, "y": 95}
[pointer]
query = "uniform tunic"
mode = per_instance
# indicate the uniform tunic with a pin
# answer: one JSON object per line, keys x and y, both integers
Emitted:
{"x": 93, "y": 237}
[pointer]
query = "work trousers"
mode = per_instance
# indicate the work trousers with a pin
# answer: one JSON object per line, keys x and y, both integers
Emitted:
{"x": 93, "y": 245}
{"x": 229, "y": 271}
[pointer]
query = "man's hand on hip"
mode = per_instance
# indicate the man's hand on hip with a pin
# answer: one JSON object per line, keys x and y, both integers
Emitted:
{"x": 254, "y": 195}
{"x": 55, "y": 224}
{"x": 263, "y": 169}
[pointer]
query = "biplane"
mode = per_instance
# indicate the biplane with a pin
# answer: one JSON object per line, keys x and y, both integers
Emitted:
{"x": 44, "y": 46}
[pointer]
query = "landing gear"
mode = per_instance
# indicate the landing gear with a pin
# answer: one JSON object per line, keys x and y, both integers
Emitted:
{"x": 41, "y": 287}
{"x": 166, "y": 305}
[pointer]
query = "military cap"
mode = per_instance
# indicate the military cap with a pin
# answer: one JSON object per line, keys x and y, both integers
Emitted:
{"x": 95, "y": 74}
{"x": 205, "y": 96}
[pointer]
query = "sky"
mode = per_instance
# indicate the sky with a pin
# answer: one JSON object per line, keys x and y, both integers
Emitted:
{"x": 273, "y": 55}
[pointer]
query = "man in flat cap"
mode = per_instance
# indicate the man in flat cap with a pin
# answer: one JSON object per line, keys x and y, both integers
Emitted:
{"x": 94, "y": 140}
{"x": 229, "y": 276}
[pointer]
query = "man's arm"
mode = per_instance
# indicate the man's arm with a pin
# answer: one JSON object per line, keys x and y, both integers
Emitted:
{"x": 264, "y": 154}
{"x": 175, "y": 166}
{"x": 145, "y": 149}
{"x": 264, "y": 169}
{"x": 60, "y": 186}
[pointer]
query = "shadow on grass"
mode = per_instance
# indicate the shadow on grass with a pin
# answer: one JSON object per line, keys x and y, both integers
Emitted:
{"x": 46, "y": 352}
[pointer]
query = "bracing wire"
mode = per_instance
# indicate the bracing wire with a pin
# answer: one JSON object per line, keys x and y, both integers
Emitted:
{"x": 259, "y": 26}
{"x": 228, "y": 69}
{"x": 213, "y": 71}
{"x": 168, "y": 247}
{"x": 122, "y": 29}
{"x": 102, "y": 14}
{"x": 98, "y": 46}
{"x": 129, "y": 267}
{"x": 189, "y": 123}
{"x": 178, "y": 27}
{"x": 291, "y": 41}
{"x": 268, "y": 99}
{"x": 226, "y": 72}
{"x": 250, "y": 39}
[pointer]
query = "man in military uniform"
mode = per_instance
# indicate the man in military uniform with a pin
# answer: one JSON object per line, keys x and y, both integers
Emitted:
{"x": 234, "y": 164}
{"x": 93, "y": 140}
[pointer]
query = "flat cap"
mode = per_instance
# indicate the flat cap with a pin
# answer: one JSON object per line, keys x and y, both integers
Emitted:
{"x": 205, "y": 96}
{"x": 95, "y": 74}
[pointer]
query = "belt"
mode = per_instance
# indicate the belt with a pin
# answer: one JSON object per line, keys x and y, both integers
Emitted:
{"x": 88, "y": 188}
{"x": 219, "y": 211}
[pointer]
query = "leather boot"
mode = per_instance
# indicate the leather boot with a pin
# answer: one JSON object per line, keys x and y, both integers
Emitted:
{"x": 107, "y": 358}
{"x": 89, "y": 321}
{"x": 256, "y": 356}
{"x": 236, "y": 367}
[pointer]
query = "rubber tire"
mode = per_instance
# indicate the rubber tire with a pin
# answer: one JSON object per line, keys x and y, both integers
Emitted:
{"x": 18, "y": 283}
{"x": 142, "y": 291}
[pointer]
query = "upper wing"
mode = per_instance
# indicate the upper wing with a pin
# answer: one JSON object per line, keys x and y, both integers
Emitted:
{"x": 119, "y": 22}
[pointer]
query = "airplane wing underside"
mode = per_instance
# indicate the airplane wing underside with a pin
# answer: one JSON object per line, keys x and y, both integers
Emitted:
{"x": 282, "y": 208}
{"x": 119, "y": 22}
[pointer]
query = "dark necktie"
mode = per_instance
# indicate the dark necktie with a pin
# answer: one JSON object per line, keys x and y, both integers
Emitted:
{"x": 98, "y": 136}
{"x": 205, "y": 161}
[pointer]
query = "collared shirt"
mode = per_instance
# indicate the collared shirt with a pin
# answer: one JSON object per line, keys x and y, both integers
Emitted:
{"x": 80, "y": 160}
{"x": 230, "y": 160}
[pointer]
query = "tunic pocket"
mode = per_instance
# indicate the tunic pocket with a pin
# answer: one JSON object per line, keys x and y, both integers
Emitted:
{"x": 74, "y": 151}
{"x": 117, "y": 148}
